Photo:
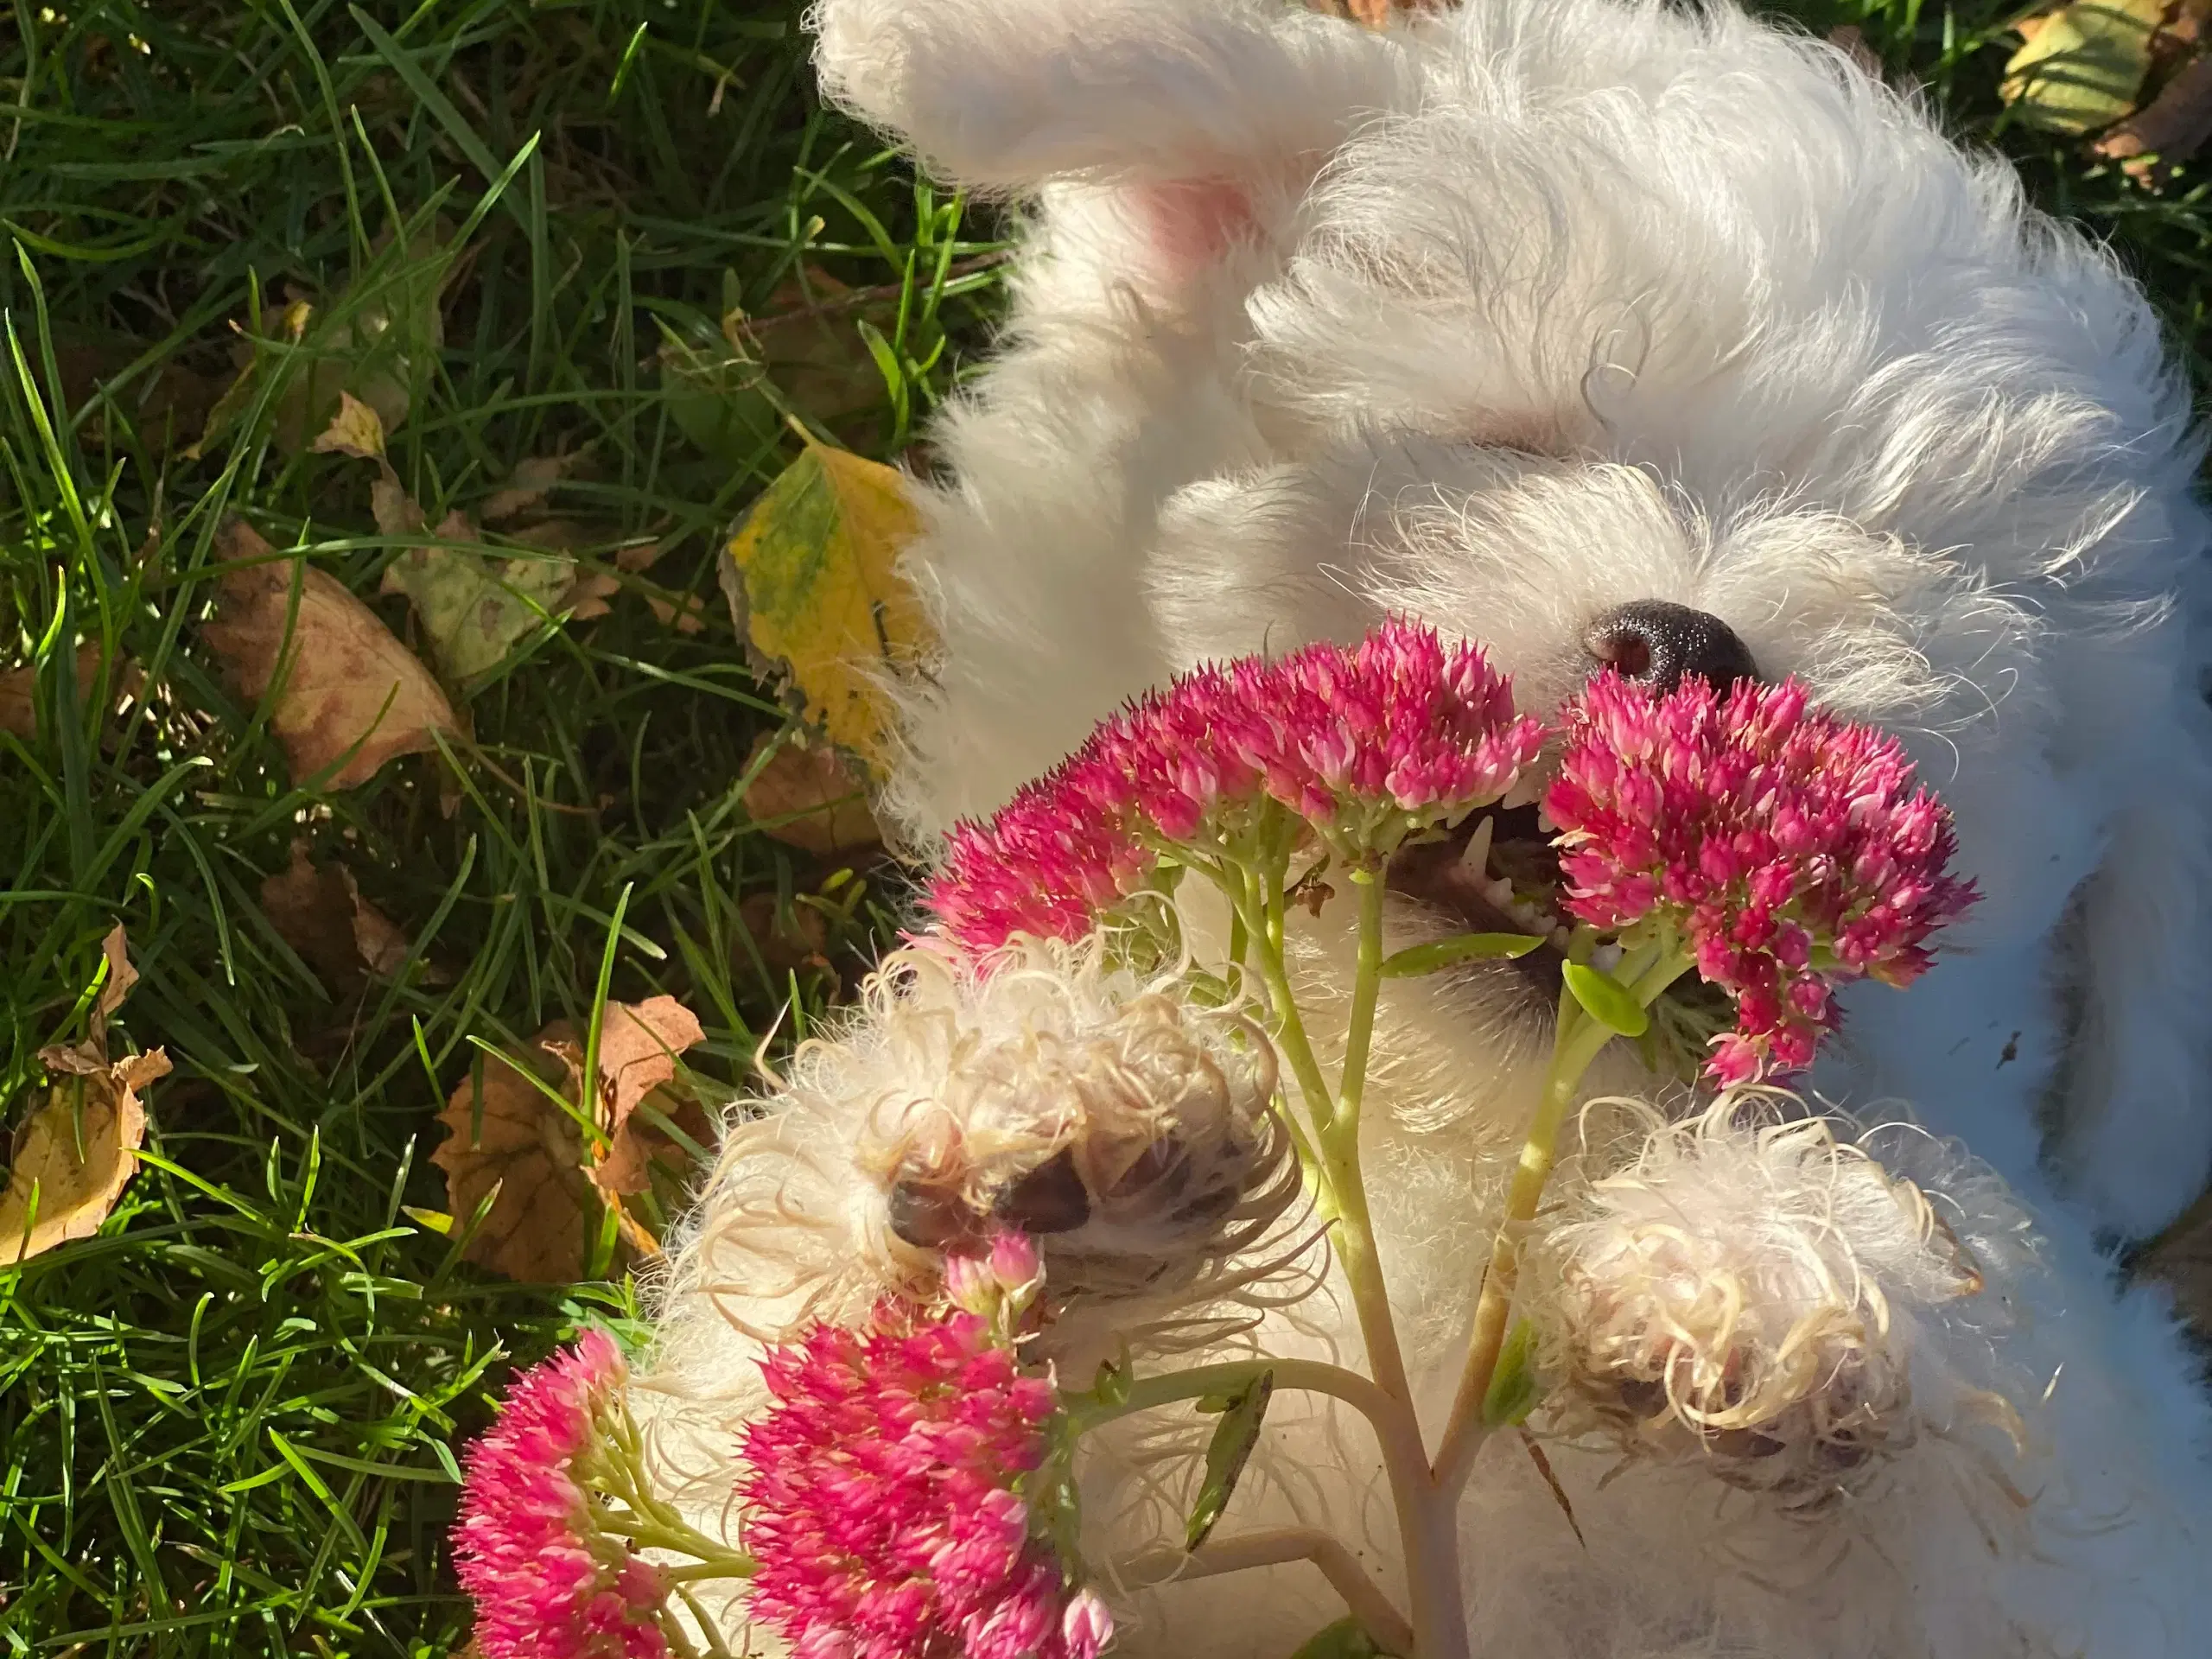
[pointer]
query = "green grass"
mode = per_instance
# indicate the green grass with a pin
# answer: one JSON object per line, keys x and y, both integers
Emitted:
{"x": 226, "y": 1423}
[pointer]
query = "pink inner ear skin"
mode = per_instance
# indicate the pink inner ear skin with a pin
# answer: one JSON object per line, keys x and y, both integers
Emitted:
{"x": 1191, "y": 222}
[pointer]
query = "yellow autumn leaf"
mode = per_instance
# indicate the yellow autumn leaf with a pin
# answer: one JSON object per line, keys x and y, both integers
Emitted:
{"x": 356, "y": 430}
{"x": 2081, "y": 66}
{"x": 76, "y": 1154}
{"x": 815, "y": 566}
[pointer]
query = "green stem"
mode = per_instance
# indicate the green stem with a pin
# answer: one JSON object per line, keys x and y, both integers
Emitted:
{"x": 1366, "y": 992}
{"x": 1577, "y": 1044}
{"x": 1427, "y": 1518}
{"x": 1290, "y": 1033}
{"x": 1353, "y": 1229}
{"x": 698, "y": 1571}
{"x": 663, "y": 1535}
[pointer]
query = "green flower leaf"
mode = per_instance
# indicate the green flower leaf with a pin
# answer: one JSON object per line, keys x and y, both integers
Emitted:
{"x": 1234, "y": 1437}
{"x": 1513, "y": 1392}
{"x": 1460, "y": 947}
{"x": 1112, "y": 1386}
{"x": 1345, "y": 1639}
{"x": 1605, "y": 1000}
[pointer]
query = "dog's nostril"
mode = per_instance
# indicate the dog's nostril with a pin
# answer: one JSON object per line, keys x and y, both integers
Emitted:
{"x": 930, "y": 1218}
{"x": 1050, "y": 1198}
{"x": 1655, "y": 642}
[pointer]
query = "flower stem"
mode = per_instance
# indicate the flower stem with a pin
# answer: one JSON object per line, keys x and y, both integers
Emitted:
{"x": 1290, "y": 1033}
{"x": 1428, "y": 1517}
{"x": 1383, "y": 1622}
{"x": 1353, "y": 1229}
{"x": 1367, "y": 988}
{"x": 648, "y": 1534}
{"x": 1575, "y": 1046}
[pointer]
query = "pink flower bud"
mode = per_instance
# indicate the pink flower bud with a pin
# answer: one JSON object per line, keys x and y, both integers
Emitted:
{"x": 1086, "y": 1626}
{"x": 970, "y": 1283}
{"x": 1016, "y": 1265}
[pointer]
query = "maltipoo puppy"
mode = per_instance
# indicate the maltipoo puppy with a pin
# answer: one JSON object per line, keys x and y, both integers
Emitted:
{"x": 1607, "y": 334}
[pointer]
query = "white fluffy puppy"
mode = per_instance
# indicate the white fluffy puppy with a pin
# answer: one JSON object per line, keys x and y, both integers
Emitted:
{"x": 1597, "y": 332}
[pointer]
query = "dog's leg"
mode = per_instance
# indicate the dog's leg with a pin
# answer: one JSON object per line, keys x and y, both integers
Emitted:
{"x": 1927, "y": 1373}
{"x": 2135, "y": 1143}
{"x": 1003, "y": 95}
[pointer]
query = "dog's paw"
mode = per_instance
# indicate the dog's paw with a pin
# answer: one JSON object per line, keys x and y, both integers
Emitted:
{"x": 1132, "y": 1135}
{"x": 1750, "y": 1293}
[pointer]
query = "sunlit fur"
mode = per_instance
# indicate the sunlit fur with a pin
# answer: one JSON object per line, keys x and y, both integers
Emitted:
{"x": 1504, "y": 317}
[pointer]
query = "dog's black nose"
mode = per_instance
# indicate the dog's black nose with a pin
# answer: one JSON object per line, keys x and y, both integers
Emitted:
{"x": 1655, "y": 642}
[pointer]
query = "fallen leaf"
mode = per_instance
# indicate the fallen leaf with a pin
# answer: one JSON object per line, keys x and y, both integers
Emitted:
{"x": 318, "y": 909}
{"x": 356, "y": 430}
{"x": 552, "y": 1185}
{"x": 369, "y": 341}
{"x": 255, "y": 364}
{"x": 687, "y": 613}
{"x": 816, "y": 564}
{"x": 74, "y": 1155}
{"x": 807, "y": 797}
{"x": 2081, "y": 66}
{"x": 1853, "y": 41}
{"x": 2171, "y": 128}
{"x": 637, "y": 1054}
{"x": 339, "y": 678}
{"x": 161, "y": 405}
{"x": 806, "y": 350}
{"x": 2181, "y": 1258}
{"x": 19, "y": 689}
{"x": 587, "y": 595}
{"x": 115, "y": 951}
{"x": 477, "y": 606}
{"x": 504, "y": 1135}
{"x": 787, "y": 938}
{"x": 531, "y": 481}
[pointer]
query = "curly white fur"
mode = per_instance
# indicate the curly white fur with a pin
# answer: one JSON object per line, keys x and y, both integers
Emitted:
{"x": 1504, "y": 317}
{"x": 1753, "y": 1292}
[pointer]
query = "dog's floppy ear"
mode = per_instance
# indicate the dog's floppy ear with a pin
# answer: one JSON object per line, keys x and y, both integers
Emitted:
{"x": 1192, "y": 101}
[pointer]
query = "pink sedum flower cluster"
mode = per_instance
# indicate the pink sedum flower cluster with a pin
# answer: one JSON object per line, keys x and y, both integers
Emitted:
{"x": 1790, "y": 848}
{"x": 1344, "y": 737}
{"x": 881, "y": 1504}
{"x": 547, "y": 1583}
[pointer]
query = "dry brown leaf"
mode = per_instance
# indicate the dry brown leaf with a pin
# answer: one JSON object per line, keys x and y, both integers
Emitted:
{"x": 787, "y": 939}
{"x": 1852, "y": 40}
{"x": 115, "y": 949}
{"x": 550, "y": 1182}
{"x": 18, "y": 686}
{"x": 637, "y": 1055}
{"x": 687, "y": 613}
{"x": 587, "y": 595}
{"x": 688, "y": 616}
{"x": 2174, "y": 126}
{"x": 74, "y": 1155}
{"x": 163, "y": 405}
{"x": 2182, "y": 1257}
{"x": 527, "y": 487}
{"x": 320, "y": 912}
{"x": 810, "y": 799}
{"x": 505, "y": 1134}
{"x": 394, "y": 510}
{"x": 346, "y": 681}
